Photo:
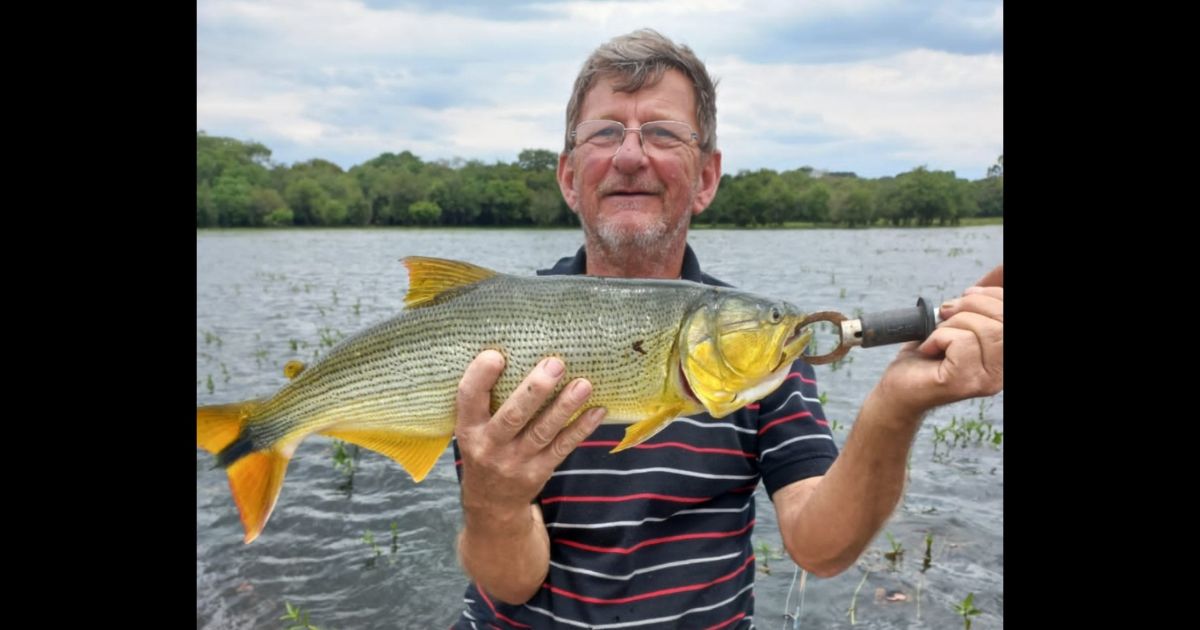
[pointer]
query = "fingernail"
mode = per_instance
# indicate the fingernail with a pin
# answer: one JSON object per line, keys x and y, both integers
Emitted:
{"x": 553, "y": 367}
{"x": 597, "y": 416}
{"x": 951, "y": 305}
{"x": 581, "y": 389}
{"x": 972, "y": 290}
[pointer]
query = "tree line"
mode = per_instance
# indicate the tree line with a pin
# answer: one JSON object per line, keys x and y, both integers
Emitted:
{"x": 237, "y": 185}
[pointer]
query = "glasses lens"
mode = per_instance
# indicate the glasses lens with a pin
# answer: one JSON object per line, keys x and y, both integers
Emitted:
{"x": 666, "y": 134}
{"x": 600, "y": 133}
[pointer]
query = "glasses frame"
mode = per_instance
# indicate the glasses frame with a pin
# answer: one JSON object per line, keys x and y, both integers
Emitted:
{"x": 692, "y": 135}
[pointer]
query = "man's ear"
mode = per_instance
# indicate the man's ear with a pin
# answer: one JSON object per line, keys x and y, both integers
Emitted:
{"x": 566, "y": 180}
{"x": 710, "y": 179}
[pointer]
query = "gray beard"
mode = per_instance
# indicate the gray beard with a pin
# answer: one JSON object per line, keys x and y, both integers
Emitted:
{"x": 645, "y": 243}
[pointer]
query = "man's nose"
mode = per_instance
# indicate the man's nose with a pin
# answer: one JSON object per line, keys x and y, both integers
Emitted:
{"x": 630, "y": 155}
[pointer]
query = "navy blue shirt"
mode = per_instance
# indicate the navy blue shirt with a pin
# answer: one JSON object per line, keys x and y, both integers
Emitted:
{"x": 659, "y": 535}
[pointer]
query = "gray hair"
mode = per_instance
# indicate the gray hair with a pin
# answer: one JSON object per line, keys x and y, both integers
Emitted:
{"x": 639, "y": 59}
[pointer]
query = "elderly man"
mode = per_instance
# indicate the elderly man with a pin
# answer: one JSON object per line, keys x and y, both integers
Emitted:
{"x": 558, "y": 532}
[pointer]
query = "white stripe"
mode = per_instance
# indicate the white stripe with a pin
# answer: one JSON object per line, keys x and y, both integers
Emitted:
{"x": 668, "y": 565}
{"x": 644, "y": 622}
{"x": 789, "y": 399}
{"x": 642, "y": 471}
{"x": 719, "y": 424}
{"x": 820, "y": 436}
{"x": 649, "y": 519}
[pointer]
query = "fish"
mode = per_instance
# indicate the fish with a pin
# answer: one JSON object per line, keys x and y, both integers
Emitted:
{"x": 653, "y": 350}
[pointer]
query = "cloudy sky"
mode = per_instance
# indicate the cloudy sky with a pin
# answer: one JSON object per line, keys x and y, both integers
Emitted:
{"x": 874, "y": 87}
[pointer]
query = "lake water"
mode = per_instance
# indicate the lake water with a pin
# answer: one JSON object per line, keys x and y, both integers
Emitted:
{"x": 375, "y": 550}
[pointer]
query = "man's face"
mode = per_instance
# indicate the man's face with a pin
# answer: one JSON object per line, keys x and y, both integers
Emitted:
{"x": 630, "y": 197}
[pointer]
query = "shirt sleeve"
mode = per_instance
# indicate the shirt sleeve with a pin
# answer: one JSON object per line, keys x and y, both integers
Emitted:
{"x": 794, "y": 440}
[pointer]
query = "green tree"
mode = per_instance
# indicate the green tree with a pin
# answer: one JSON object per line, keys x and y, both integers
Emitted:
{"x": 425, "y": 212}
{"x": 537, "y": 160}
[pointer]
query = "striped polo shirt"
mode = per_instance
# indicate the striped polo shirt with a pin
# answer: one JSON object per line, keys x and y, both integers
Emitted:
{"x": 659, "y": 536}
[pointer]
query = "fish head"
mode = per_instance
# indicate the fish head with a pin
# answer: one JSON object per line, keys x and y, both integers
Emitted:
{"x": 736, "y": 348}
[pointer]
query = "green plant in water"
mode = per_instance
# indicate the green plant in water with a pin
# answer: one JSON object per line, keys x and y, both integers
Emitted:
{"x": 341, "y": 459}
{"x": 294, "y": 613}
{"x": 210, "y": 384}
{"x": 823, "y": 398}
{"x": 369, "y": 538}
{"x": 294, "y": 344}
{"x": 764, "y": 553}
{"x": 854, "y": 597}
{"x": 928, "y": 560}
{"x": 967, "y": 609}
{"x": 357, "y": 306}
{"x": 897, "y": 552}
{"x": 395, "y": 538}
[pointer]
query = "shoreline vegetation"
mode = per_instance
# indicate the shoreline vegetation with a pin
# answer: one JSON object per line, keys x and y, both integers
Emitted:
{"x": 790, "y": 225}
{"x": 238, "y": 186}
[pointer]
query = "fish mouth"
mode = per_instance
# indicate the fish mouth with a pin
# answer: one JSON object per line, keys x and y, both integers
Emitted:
{"x": 795, "y": 344}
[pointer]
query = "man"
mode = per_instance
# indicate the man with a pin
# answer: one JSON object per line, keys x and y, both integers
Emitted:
{"x": 557, "y": 531}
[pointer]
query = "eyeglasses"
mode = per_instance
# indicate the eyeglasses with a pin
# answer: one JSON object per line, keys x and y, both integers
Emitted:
{"x": 607, "y": 134}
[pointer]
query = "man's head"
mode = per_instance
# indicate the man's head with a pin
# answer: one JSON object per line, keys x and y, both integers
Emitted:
{"x": 635, "y": 194}
{"x": 641, "y": 58}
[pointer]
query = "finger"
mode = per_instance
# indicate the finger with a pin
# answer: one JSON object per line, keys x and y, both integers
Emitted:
{"x": 993, "y": 278}
{"x": 473, "y": 399}
{"x": 974, "y": 302}
{"x": 542, "y": 431}
{"x": 530, "y": 395}
{"x": 568, "y": 440}
{"x": 986, "y": 338}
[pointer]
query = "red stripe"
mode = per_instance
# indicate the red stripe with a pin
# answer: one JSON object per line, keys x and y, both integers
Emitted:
{"x": 654, "y": 541}
{"x": 686, "y": 447}
{"x": 801, "y": 377}
{"x": 495, "y": 612}
{"x": 726, "y": 622}
{"x": 652, "y": 594}
{"x": 627, "y": 497}
{"x": 458, "y": 462}
{"x": 783, "y": 419}
{"x": 754, "y": 405}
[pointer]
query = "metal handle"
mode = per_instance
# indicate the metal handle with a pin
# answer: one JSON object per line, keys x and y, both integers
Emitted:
{"x": 888, "y": 327}
{"x": 876, "y": 329}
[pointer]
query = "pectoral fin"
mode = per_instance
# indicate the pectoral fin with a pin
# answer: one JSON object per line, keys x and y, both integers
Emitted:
{"x": 417, "y": 454}
{"x": 645, "y": 429}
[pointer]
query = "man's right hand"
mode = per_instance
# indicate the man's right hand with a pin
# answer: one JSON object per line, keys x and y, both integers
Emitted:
{"x": 507, "y": 457}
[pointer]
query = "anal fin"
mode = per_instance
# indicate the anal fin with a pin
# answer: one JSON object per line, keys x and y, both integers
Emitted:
{"x": 645, "y": 429}
{"x": 417, "y": 454}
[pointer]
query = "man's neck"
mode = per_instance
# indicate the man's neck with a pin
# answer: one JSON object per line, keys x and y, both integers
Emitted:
{"x": 665, "y": 262}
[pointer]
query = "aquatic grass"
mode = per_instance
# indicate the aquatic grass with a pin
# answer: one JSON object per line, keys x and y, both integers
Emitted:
{"x": 341, "y": 459}
{"x": 210, "y": 385}
{"x": 967, "y": 609}
{"x": 896, "y": 555}
{"x": 369, "y": 538}
{"x": 294, "y": 613}
{"x": 926, "y": 562}
{"x": 854, "y": 597}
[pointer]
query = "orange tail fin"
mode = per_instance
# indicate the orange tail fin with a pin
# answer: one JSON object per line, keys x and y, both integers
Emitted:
{"x": 255, "y": 480}
{"x": 255, "y": 477}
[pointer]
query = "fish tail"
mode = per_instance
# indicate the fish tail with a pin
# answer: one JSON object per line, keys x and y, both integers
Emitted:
{"x": 255, "y": 476}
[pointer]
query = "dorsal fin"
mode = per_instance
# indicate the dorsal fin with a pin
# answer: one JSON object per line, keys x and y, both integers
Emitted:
{"x": 430, "y": 277}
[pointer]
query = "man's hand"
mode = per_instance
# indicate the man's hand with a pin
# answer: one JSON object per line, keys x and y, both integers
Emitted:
{"x": 507, "y": 457}
{"x": 963, "y": 358}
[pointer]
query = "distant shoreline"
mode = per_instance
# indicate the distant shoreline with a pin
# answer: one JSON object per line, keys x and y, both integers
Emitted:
{"x": 789, "y": 225}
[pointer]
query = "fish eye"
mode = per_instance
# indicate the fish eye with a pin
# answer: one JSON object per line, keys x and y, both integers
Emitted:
{"x": 775, "y": 315}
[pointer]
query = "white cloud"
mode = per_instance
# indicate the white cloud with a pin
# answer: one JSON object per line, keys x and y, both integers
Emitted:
{"x": 834, "y": 85}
